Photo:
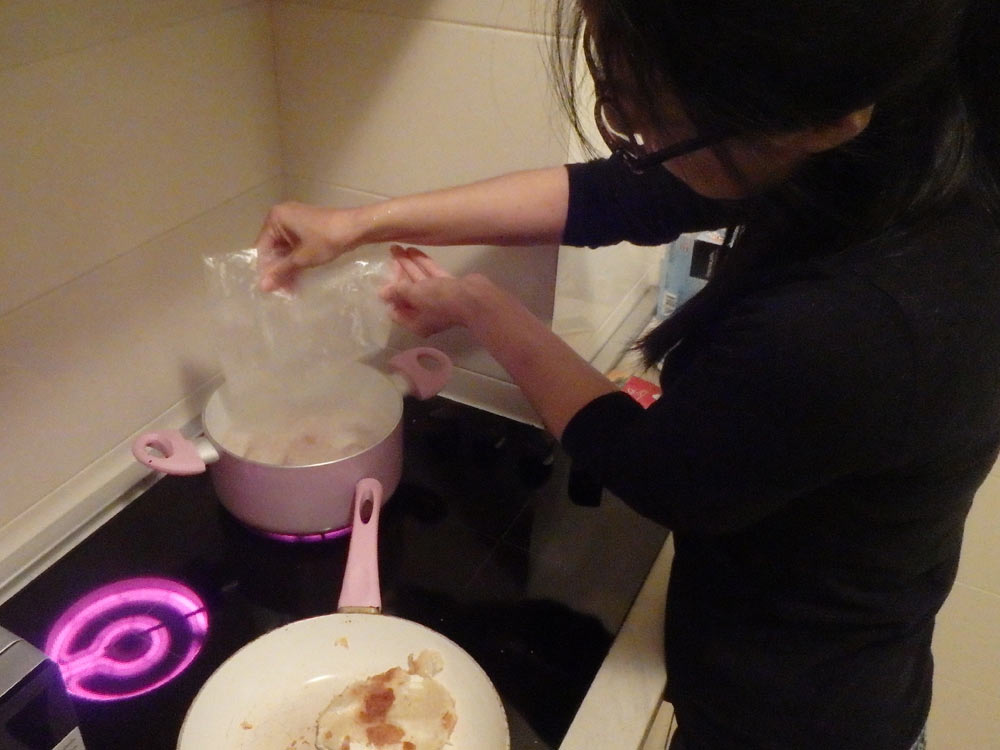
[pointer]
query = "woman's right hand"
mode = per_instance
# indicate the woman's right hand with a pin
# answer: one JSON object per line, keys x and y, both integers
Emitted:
{"x": 423, "y": 296}
{"x": 296, "y": 236}
{"x": 426, "y": 299}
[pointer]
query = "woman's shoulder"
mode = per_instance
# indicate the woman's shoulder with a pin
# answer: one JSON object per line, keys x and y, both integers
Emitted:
{"x": 950, "y": 261}
{"x": 961, "y": 240}
{"x": 917, "y": 311}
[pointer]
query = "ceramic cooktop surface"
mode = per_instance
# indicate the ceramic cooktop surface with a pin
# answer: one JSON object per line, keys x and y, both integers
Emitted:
{"x": 481, "y": 542}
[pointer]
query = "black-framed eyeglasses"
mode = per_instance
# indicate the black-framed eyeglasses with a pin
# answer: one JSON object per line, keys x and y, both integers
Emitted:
{"x": 632, "y": 151}
{"x": 611, "y": 125}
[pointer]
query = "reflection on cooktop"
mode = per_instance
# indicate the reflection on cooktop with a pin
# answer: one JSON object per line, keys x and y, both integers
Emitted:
{"x": 479, "y": 542}
{"x": 540, "y": 654}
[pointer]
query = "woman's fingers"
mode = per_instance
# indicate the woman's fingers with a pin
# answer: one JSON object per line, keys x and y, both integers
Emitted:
{"x": 421, "y": 295}
{"x": 279, "y": 274}
{"x": 416, "y": 264}
{"x": 402, "y": 309}
{"x": 296, "y": 236}
{"x": 428, "y": 265}
{"x": 404, "y": 262}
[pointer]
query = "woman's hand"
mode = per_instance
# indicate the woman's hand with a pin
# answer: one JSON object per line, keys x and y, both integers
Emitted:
{"x": 296, "y": 236}
{"x": 427, "y": 299}
{"x": 424, "y": 297}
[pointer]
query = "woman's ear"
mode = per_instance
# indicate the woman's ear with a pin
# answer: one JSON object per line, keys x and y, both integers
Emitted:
{"x": 826, "y": 137}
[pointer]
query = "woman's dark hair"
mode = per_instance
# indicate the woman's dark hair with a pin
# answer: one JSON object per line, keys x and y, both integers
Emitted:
{"x": 760, "y": 67}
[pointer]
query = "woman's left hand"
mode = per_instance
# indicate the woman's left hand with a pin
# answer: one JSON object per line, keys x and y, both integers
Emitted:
{"x": 424, "y": 297}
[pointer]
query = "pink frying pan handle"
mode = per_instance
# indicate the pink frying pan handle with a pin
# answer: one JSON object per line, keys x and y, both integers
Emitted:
{"x": 175, "y": 454}
{"x": 425, "y": 381}
{"x": 360, "y": 590}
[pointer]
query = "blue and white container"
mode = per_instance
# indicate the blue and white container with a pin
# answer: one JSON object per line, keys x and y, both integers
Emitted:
{"x": 686, "y": 267}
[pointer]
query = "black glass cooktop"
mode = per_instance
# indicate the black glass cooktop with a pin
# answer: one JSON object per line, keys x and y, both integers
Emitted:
{"x": 480, "y": 542}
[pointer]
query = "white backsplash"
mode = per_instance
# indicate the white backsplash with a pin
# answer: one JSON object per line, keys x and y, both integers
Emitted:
{"x": 130, "y": 149}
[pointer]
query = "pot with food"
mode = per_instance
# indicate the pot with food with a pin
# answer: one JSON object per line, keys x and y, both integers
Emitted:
{"x": 293, "y": 469}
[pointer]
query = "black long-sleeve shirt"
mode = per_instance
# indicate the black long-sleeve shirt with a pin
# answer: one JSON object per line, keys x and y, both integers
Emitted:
{"x": 815, "y": 452}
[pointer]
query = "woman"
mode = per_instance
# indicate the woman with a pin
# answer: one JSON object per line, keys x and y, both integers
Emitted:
{"x": 830, "y": 399}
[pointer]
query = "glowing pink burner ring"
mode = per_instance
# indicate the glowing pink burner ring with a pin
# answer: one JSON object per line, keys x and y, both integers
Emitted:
{"x": 127, "y": 638}
{"x": 324, "y": 536}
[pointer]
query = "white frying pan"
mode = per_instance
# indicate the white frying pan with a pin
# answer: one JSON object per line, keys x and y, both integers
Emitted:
{"x": 269, "y": 694}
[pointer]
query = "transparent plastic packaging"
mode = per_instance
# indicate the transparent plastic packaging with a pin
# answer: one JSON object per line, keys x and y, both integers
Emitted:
{"x": 285, "y": 354}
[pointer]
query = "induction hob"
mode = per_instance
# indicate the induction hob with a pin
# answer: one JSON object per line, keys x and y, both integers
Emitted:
{"x": 481, "y": 542}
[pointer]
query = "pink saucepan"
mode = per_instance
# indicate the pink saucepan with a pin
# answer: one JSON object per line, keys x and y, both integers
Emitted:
{"x": 305, "y": 499}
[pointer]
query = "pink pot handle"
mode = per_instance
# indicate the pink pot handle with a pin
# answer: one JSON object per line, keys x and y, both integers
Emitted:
{"x": 360, "y": 591}
{"x": 178, "y": 456}
{"x": 424, "y": 381}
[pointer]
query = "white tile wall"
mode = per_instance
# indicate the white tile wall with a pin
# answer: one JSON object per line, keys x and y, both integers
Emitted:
{"x": 391, "y": 105}
{"x": 112, "y": 145}
{"x": 128, "y": 150}
{"x": 963, "y": 718}
{"x": 99, "y": 357}
{"x": 36, "y": 29}
{"x": 980, "y": 567}
{"x": 967, "y": 633}
{"x": 596, "y": 290}
{"x": 522, "y": 15}
{"x": 966, "y": 709}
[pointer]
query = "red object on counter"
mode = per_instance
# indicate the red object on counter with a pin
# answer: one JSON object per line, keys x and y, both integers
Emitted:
{"x": 642, "y": 390}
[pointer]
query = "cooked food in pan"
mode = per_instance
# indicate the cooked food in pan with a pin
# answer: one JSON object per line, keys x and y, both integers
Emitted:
{"x": 399, "y": 709}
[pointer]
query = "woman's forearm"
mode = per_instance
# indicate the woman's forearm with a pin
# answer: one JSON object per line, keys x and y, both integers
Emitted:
{"x": 520, "y": 208}
{"x": 556, "y": 380}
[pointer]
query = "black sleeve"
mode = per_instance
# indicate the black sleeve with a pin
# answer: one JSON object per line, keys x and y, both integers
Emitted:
{"x": 793, "y": 390}
{"x": 609, "y": 203}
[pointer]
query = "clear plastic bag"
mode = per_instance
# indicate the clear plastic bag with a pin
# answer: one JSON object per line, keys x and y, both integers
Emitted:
{"x": 280, "y": 352}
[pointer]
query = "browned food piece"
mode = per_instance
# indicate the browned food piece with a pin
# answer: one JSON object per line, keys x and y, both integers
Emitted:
{"x": 394, "y": 710}
{"x": 384, "y": 734}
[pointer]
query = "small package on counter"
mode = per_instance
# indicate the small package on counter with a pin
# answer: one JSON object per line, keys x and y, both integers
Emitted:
{"x": 642, "y": 390}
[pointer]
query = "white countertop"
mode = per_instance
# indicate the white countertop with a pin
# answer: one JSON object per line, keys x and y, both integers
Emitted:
{"x": 628, "y": 690}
